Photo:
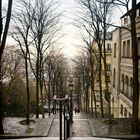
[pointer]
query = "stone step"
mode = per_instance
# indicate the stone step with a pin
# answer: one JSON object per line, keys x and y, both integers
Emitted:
{"x": 72, "y": 138}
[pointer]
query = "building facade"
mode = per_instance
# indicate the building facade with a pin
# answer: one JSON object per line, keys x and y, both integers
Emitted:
{"x": 108, "y": 46}
{"x": 122, "y": 68}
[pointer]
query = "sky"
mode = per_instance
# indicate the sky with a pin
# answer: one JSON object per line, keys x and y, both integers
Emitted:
{"x": 70, "y": 41}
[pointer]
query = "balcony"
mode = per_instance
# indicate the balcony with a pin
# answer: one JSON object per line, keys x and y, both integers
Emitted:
{"x": 126, "y": 98}
{"x": 127, "y": 61}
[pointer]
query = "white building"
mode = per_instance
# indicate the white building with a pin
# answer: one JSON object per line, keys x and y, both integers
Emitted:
{"x": 122, "y": 68}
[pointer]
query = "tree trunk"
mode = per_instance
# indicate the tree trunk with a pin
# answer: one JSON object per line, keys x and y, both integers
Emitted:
{"x": 1, "y": 25}
{"x": 91, "y": 103}
{"x": 27, "y": 90}
{"x": 41, "y": 93}
{"x": 37, "y": 86}
{"x": 1, "y": 124}
{"x": 94, "y": 97}
{"x": 135, "y": 129}
{"x": 42, "y": 102}
{"x": 105, "y": 70}
{"x": 100, "y": 85}
{"x": 106, "y": 84}
{"x": 87, "y": 99}
{"x": 49, "y": 93}
{"x": 41, "y": 86}
{"x": 2, "y": 46}
{"x": 3, "y": 41}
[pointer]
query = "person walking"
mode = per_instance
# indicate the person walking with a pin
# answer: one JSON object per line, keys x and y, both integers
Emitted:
{"x": 75, "y": 110}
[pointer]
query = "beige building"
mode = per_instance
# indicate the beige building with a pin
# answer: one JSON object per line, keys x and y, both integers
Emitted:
{"x": 108, "y": 46}
{"x": 122, "y": 68}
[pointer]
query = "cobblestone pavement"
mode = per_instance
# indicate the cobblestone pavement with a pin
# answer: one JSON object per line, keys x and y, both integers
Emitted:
{"x": 84, "y": 127}
{"x": 40, "y": 127}
{"x": 72, "y": 138}
{"x": 100, "y": 126}
{"x": 12, "y": 126}
{"x": 54, "y": 130}
{"x": 80, "y": 128}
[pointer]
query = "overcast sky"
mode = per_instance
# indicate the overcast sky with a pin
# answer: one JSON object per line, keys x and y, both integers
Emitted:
{"x": 71, "y": 40}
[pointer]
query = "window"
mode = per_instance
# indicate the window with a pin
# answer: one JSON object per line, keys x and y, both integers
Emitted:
{"x": 138, "y": 12}
{"x": 115, "y": 50}
{"x": 108, "y": 47}
{"x": 98, "y": 97}
{"x": 131, "y": 88}
{"x": 121, "y": 109}
{"x": 108, "y": 67}
{"x": 127, "y": 82}
{"x": 114, "y": 77}
{"x": 97, "y": 105}
{"x": 128, "y": 48}
{"x": 122, "y": 83}
{"x": 125, "y": 20}
{"x": 123, "y": 49}
{"x": 108, "y": 78}
{"x": 125, "y": 113}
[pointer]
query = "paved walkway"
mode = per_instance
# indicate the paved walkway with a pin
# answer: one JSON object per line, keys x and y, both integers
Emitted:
{"x": 84, "y": 127}
{"x": 72, "y": 138}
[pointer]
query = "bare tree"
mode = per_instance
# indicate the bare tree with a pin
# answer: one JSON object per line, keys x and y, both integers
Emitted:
{"x": 3, "y": 36}
{"x": 45, "y": 33}
{"x": 105, "y": 15}
{"x": 93, "y": 26}
{"x": 11, "y": 63}
{"x": 83, "y": 64}
{"x": 14, "y": 87}
{"x": 55, "y": 68}
{"x": 78, "y": 86}
{"x": 21, "y": 34}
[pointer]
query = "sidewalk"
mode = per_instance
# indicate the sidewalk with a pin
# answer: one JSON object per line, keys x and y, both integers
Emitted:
{"x": 85, "y": 126}
{"x": 39, "y": 128}
{"x": 100, "y": 126}
{"x": 72, "y": 138}
{"x": 121, "y": 127}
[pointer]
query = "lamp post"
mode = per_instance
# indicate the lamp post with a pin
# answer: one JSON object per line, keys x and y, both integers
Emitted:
{"x": 67, "y": 118}
{"x": 71, "y": 105}
{"x": 61, "y": 101}
{"x": 51, "y": 78}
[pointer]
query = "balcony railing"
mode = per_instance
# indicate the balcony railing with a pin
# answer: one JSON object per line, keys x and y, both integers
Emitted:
{"x": 126, "y": 94}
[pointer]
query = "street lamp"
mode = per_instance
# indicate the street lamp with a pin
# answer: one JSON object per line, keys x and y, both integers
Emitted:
{"x": 71, "y": 105}
{"x": 61, "y": 101}
{"x": 51, "y": 76}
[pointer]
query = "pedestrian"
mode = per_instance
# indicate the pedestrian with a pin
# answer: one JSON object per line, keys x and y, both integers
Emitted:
{"x": 75, "y": 110}
{"x": 78, "y": 110}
